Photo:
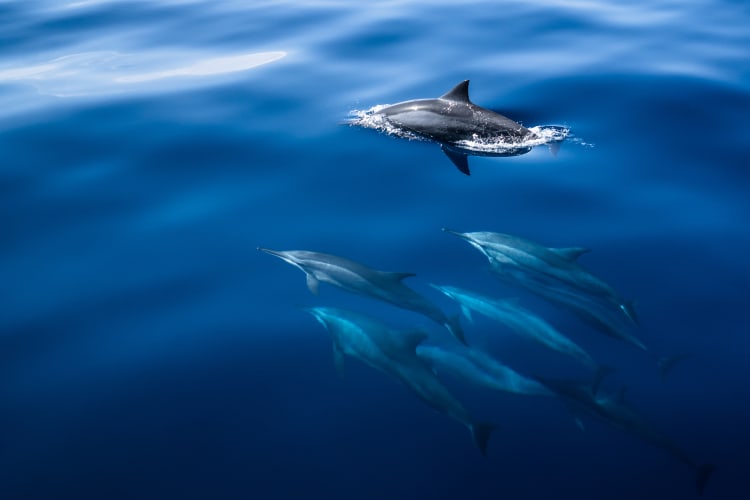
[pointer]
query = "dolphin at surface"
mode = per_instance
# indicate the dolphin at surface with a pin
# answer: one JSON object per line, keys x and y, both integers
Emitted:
{"x": 614, "y": 411}
{"x": 394, "y": 352}
{"x": 362, "y": 280}
{"x": 479, "y": 368}
{"x": 525, "y": 324}
{"x": 557, "y": 264}
{"x": 451, "y": 118}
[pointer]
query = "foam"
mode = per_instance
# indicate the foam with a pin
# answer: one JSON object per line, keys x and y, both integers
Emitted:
{"x": 550, "y": 134}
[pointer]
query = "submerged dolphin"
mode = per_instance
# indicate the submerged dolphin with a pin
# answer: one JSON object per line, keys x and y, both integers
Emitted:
{"x": 525, "y": 324}
{"x": 558, "y": 264}
{"x": 360, "y": 279}
{"x": 589, "y": 309}
{"x": 614, "y": 411}
{"x": 394, "y": 352}
{"x": 451, "y": 118}
{"x": 479, "y": 368}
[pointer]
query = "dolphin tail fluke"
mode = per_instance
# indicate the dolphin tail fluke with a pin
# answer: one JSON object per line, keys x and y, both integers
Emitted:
{"x": 702, "y": 476}
{"x": 599, "y": 375}
{"x": 666, "y": 363}
{"x": 628, "y": 307}
{"x": 454, "y": 326}
{"x": 480, "y": 433}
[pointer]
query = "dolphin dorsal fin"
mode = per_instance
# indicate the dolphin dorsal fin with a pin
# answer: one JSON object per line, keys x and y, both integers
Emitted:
{"x": 467, "y": 313}
{"x": 459, "y": 93}
{"x": 410, "y": 339}
{"x": 570, "y": 254}
{"x": 396, "y": 276}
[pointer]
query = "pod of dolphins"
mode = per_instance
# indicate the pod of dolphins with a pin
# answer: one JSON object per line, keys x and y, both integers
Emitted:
{"x": 414, "y": 358}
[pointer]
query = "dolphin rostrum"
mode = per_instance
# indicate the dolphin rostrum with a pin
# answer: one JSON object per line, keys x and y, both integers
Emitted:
{"x": 394, "y": 352}
{"x": 452, "y": 118}
{"x": 360, "y": 279}
{"x": 613, "y": 410}
{"x": 558, "y": 264}
{"x": 525, "y": 324}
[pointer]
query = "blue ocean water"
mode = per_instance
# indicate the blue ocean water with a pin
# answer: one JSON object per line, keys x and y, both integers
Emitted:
{"x": 149, "y": 351}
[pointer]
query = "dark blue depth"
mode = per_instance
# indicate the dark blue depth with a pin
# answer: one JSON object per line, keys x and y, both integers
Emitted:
{"x": 147, "y": 350}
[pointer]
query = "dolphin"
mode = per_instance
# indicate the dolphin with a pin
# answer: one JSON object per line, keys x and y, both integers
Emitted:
{"x": 589, "y": 309}
{"x": 452, "y": 118}
{"x": 552, "y": 263}
{"x": 362, "y": 280}
{"x": 394, "y": 352}
{"x": 525, "y": 324}
{"x": 479, "y": 368}
{"x": 613, "y": 410}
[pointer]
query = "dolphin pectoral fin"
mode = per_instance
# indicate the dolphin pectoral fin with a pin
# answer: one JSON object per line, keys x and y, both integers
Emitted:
{"x": 574, "y": 413}
{"x": 396, "y": 276}
{"x": 454, "y": 326}
{"x": 579, "y": 424}
{"x": 702, "y": 476}
{"x": 570, "y": 254}
{"x": 430, "y": 364}
{"x": 338, "y": 360}
{"x": 480, "y": 432}
{"x": 312, "y": 284}
{"x": 467, "y": 313}
{"x": 599, "y": 375}
{"x": 667, "y": 363}
{"x": 460, "y": 160}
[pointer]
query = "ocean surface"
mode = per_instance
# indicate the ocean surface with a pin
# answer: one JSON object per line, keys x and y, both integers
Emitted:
{"x": 149, "y": 351}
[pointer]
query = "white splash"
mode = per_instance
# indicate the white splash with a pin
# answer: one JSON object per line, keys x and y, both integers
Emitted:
{"x": 497, "y": 145}
{"x": 372, "y": 118}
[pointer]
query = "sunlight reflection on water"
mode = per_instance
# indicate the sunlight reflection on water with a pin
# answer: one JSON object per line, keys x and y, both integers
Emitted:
{"x": 110, "y": 72}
